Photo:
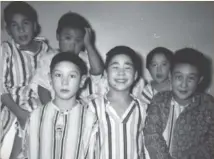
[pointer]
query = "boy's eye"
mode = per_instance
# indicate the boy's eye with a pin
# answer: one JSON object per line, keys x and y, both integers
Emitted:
{"x": 153, "y": 64}
{"x": 13, "y": 24}
{"x": 192, "y": 78}
{"x": 57, "y": 75}
{"x": 73, "y": 76}
{"x": 26, "y": 22}
{"x": 178, "y": 77}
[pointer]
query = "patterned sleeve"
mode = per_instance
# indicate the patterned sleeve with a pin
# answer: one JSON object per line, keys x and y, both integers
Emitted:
{"x": 153, "y": 130}
{"x": 6, "y": 60}
{"x": 209, "y": 144}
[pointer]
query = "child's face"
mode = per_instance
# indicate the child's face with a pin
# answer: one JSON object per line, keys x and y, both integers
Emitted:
{"x": 66, "y": 79}
{"x": 21, "y": 29}
{"x": 159, "y": 68}
{"x": 71, "y": 40}
{"x": 121, "y": 73}
{"x": 185, "y": 79}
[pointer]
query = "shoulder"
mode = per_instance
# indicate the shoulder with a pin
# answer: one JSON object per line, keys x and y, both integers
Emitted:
{"x": 6, "y": 47}
{"x": 206, "y": 100}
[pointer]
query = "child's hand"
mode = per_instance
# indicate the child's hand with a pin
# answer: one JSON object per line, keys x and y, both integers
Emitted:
{"x": 23, "y": 117}
{"x": 88, "y": 37}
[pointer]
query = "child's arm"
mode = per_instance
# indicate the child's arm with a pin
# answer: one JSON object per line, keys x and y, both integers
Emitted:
{"x": 95, "y": 60}
{"x": 21, "y": 114}
{"x": 44, "y": 95}
{"x": 153, "y": 130}
{"x": 6, "y": 97}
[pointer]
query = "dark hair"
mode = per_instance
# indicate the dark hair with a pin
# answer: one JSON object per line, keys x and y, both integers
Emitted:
{"x": 23, "y": 8}
{"x": 159, "y": 50}
{"x": 70, "y": 57}
{"x": 72, "y": 20}
{"x": 192, "y": 57}
{"x": 125, "y": 50}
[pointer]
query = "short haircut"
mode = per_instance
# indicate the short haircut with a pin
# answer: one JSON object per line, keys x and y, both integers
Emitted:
{"x": 69, "y": 57}
{"x": 159, "y": 50}
{"x": 192, "y": 57}
{"x": 72, "y": 20}
{"x": 23, "y": 8}
{"x": 124, "y": 50}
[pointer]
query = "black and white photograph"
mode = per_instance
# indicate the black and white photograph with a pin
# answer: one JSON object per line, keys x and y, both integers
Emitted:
{"x": 107, "y": 80}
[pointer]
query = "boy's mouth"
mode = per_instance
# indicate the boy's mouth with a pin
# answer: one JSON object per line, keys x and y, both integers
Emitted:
{"x": 64, "y": 90}
{"x": 23, "y": 37}
{"x": 121, "y": 80}
{"x": 183, "y": 92}
{"x": 159, "y": 76}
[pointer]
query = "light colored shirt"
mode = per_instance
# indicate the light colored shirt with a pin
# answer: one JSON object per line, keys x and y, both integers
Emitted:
{"x": 147, "y": 93}
{"x": 175, "y": 111}
{"x": 120, "y": 137}
{"x": 56, "y": 134}
{"x": 18, "y": 70}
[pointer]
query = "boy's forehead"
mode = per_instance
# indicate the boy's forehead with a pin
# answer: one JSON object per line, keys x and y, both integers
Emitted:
{"x": 15, "y": 16}
{"x": 185, "y": 68}
{"x": 66, "y": 65}
{"x": 71, "y": 30}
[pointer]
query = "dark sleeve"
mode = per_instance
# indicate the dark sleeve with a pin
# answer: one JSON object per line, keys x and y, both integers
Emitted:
{"x": 153, "y": 130}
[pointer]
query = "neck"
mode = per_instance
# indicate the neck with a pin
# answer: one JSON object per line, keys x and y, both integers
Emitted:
{"x": 161, "y": 86}
{"x": 65, "y": 104}
{"x": 118, "y": 95}
{"x": 183, "y": 102}
{"x": 32, "y": 46}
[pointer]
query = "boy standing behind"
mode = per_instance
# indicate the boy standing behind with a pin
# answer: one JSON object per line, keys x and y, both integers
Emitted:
{"x": 74, "y": 35}
{"x": 62, "y": 128}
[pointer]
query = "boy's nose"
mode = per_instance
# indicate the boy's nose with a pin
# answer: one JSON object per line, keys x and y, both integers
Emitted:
{"x": 159, "y": 69}
{"x": 65, "y": 81}
{"x": 184, "y": 83}
{"x": 21, "y": 28}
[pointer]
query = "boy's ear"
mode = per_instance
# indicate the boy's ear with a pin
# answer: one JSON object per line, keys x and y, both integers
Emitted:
{"x": 136, "y": 75}
{"x": 82, "y": 82}
{"x": 200, "y": 79}
{"x": 57, "y": 36}
{"x": 49, "y": 78}
{"x": 8, "y": 30}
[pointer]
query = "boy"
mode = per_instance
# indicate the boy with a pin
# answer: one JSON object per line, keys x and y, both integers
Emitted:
{"x": 20, "y": 60}
{"x": 74, "y": 35}
{"x": 180, "y": 123}
{"x": 62, "y": 128}
{"x": 120, "y": 115}
{"x": 158, "y": 63}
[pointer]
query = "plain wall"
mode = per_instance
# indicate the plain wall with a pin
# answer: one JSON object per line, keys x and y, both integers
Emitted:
{"x": 140, "y": 25}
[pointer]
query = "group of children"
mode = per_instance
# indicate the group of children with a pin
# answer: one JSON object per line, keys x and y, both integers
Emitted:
{"x": 67, "y": 104}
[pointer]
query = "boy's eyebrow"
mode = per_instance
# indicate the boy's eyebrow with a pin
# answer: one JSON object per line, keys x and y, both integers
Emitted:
{"x": 129, "y": 63}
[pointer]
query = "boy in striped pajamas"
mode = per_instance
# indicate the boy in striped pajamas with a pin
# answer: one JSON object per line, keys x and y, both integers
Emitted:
{"x": 120, "y": 114}
{"x": 62, "y": 129}
{"x": 20, "y": 60}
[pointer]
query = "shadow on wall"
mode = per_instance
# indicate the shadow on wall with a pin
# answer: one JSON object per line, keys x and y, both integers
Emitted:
{"x": 207, "y": 73}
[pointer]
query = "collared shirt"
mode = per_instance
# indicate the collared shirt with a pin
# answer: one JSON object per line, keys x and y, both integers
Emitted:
{"x": 18, "y": 70}
{"x": 56, "y": 134}
{"x": 175, "y": 110}
{"x": 120, "y": 137}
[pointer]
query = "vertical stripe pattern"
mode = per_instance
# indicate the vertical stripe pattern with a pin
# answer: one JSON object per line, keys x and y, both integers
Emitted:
{"x": 123, "y": 133}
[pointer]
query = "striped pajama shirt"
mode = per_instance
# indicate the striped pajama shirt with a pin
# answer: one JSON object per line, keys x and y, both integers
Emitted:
{"x": 119, "y": 137}
{"x": 56, "y": 134}
{"x": 18, "y": 69}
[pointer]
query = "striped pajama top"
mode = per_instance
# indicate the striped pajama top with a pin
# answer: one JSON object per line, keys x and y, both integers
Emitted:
{"x": 119, "y": 138}
{"x": 18, "y": 69}
{"x": 55, "y": 134}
